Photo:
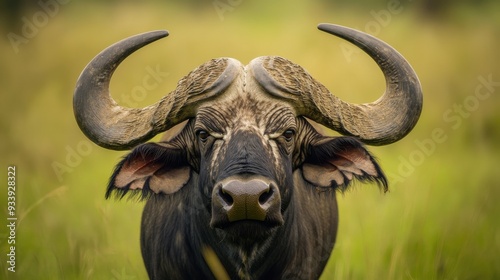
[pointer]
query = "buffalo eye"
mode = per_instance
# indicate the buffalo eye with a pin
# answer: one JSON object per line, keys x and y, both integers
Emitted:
{"x": 202, "y": 135}
{"x": 288, "y": 134}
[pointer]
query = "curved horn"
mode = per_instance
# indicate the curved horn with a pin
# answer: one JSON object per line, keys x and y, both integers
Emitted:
{"x": 396, "y": 112}
{"x": 115, "y": 127}
{"x": 382, "y": 122}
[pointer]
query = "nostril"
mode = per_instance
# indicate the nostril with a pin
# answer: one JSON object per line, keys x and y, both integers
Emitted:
{"x": 265, "y": 196}
{"x": 227, "y": 198}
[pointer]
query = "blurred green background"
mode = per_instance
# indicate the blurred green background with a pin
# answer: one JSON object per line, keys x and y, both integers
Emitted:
{"x": 440, "y": 219}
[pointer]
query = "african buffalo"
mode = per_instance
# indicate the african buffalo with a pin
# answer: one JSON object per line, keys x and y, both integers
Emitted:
{"x": 246, "y": 188}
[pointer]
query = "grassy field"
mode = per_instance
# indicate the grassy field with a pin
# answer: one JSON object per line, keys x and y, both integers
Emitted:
{"x": 440, "y": 219}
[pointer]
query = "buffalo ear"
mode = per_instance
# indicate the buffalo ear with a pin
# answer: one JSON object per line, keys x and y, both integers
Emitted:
{"x": 336, "y": 162}
{"x": 151, "y": 168}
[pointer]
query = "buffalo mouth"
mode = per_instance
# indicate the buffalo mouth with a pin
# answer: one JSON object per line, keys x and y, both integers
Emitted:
{"x": 250, "y": 230}
{"x": 267, "y": 224}
{"x": 246, "y": 229}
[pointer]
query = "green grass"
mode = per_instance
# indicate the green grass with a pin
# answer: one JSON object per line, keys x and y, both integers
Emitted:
{"x": 439, "y": 221}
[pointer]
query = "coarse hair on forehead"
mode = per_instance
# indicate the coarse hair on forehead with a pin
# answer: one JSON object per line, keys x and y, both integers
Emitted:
{"x": 265, "y": 115}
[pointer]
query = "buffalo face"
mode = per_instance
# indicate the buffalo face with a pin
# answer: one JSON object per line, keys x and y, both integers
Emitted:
{"x": 246, "y": 162}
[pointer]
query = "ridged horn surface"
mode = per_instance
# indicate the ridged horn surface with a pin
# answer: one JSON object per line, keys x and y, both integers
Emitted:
{"x": 116, "y": 127}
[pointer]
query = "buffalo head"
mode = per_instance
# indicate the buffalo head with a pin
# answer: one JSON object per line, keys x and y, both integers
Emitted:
{"x": 246, "y": 143}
